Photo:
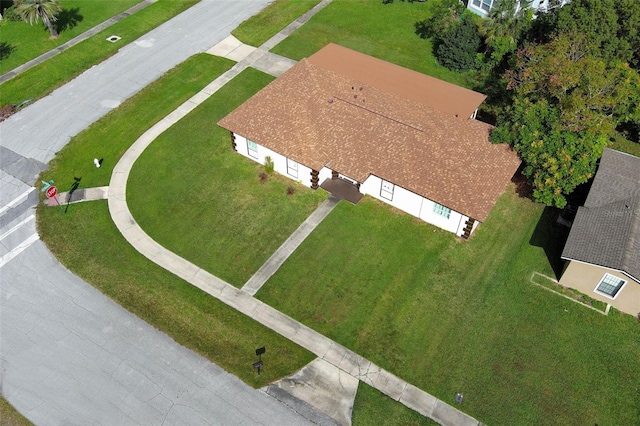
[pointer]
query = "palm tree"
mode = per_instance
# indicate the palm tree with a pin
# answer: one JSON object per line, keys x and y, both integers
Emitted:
{"x": 32, "y": 10}
{"x": 507, "y": 19}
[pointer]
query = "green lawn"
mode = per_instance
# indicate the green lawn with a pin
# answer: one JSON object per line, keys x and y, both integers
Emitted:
{"x": 9, "y": 416}
{"x": 385, "y": 31}
{"x": 372, "y": 407}
{"x": 451, "y": 316}
{"x": 44, "y": 78}
{"x": 25, "y": 42}
{"x": 261, "y": 27}
{"x": 241, "y": 222}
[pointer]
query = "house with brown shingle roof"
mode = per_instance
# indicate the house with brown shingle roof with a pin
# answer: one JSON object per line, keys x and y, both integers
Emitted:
{"x": 353, "y": 125}
{"x": 603, "y": 247}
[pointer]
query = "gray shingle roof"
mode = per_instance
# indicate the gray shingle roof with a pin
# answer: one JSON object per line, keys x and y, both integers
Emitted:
{"x": 606, "y": 231}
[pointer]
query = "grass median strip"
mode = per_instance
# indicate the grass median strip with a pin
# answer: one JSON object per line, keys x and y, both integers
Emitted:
{"x": 24, "y": 42}
{"x": 53, "y": 73}
{"x": 261, "y": 27}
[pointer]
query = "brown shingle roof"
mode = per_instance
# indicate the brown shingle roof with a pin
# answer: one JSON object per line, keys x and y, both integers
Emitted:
{"x": 358, "y": 126}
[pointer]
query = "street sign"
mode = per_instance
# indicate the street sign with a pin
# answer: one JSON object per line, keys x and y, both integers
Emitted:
{"x": 52, "y": 191}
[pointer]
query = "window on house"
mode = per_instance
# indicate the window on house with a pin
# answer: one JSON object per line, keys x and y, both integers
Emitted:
{"x": 292, "y": 168}
{"x": 252, "y": 148}
{"x": 386, "y": 190}
{"x": 441, "y": 210}
{"x": 484, "y": 4}
{"x": 610, "y": 286}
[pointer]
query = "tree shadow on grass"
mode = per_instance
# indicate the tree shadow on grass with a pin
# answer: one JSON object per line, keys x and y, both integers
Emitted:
{"x": 68, "y": 19}
{"x": 551, "y": 237}
{"x": 5, "y": 50}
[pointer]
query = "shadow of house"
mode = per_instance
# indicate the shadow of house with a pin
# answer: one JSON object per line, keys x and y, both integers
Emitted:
{"x": 551, "y": 237}
{"x": 67, "y": 19}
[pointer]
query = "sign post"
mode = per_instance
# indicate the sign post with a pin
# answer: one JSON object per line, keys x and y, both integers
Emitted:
{"x": 51, "y": 192}
{"x": 258, "y": 364}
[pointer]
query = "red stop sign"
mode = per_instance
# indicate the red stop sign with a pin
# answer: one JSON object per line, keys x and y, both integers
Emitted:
{"x": 52, "y": 191}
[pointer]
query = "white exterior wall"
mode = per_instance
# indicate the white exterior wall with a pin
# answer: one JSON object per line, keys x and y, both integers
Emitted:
{"x": 279, "y": 161}
{"x": 415, "y": 205}
{"x": 325, "y": 173}
{"x": 403, "y": 199}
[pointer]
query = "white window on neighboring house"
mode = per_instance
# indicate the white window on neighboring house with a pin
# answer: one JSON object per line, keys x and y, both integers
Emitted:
{"x": 252, "y": 148}
{"x": 483, "y": 4}
{"x": 441, "y": 210}
{"x": 386, "y": 190}
{"x": 292, "y": 168}
{"x": 610, "y": 286}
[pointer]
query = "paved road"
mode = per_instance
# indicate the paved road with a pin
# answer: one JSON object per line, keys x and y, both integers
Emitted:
{"x": 72, "y": 356}
{"x": 68, "y": 355}
{"x": 39, "y": 131}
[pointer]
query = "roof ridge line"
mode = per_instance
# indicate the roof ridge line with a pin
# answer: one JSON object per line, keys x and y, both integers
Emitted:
{"x": 378, "y": 113}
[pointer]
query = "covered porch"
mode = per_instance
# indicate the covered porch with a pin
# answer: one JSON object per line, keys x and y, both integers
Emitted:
{"x": 342, "y": 189}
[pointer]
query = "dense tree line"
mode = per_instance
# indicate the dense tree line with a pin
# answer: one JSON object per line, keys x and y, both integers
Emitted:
{"x": 561, "y": 84}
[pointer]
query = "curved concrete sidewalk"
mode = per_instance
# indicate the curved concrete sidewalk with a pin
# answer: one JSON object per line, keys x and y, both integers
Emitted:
{"x": 323, "y": 347}
{"x": 81, "y": 37}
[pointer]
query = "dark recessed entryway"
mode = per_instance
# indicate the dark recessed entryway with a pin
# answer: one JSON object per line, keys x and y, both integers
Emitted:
{"x": 342, "y": 189}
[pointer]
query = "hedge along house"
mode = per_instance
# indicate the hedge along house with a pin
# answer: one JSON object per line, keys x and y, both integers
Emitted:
{"x": 353, "y": 125}
{"x": 603, "y": 247}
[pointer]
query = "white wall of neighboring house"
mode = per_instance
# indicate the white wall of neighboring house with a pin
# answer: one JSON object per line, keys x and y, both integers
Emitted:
{"x": 482, "y": 7}
{"x": 392, "y": 194}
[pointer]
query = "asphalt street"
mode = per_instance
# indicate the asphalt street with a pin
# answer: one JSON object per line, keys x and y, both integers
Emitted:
{"x": 42, "y": 129}
{"x": 68, "y": 354}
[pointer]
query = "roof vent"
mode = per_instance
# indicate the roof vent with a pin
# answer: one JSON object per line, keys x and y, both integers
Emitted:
{"x": 330, "y": 101}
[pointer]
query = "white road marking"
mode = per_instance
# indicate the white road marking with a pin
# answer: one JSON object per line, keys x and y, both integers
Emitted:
{"x": 16, "y": 251}
{"x": 10, "y": 231}
{"x": 17, "y": 200}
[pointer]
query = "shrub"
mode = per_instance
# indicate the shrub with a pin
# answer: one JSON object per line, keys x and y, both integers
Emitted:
{"x": 10, "y": 14}
{"x": 268, "y": 165}
{"x": 456, "y": 48}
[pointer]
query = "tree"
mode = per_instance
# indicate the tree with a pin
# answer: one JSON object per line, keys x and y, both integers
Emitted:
{"x": 444, "y": 15}
{"x": 556, "y": 159}
{"x": 591, "y": 93}
{"x": 457, "y": 48}
{"x": 33, "y": 10}
{"x": 611, "y": 26}
{"x": 567, "y": 104}
{"x": 507, "y": 18}
{"x": 508, "y": 21}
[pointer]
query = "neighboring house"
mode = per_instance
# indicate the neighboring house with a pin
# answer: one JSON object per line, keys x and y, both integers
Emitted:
{"x": 483, "y": 7}
{"x": 353, "y": 124}
{"x": 603, "y": 248}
